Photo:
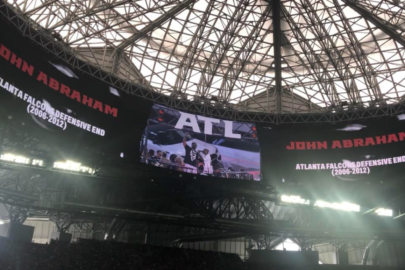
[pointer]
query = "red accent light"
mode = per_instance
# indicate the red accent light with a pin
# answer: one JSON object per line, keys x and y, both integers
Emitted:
{"x": 254, "y": 128}
{"x": 161, "y": 111}
{"x": 160, "y": 119}
{"x": 254, "y": 135}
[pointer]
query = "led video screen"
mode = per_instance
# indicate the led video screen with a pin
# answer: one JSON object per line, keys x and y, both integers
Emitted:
{"x": 71, "y": 112}
{"x": 367, "y": 152}
{"x": 201, "y": 145}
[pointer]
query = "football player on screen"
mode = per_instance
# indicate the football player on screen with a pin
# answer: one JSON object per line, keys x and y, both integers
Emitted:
{"x": 191, "y": 152}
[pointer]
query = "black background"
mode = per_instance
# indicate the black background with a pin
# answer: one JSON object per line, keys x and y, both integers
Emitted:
{"x": 381, "y": 184}
{"x": 123, "y": 133}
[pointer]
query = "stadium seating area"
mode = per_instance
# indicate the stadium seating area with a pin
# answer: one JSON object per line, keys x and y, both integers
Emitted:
{"x": 91, "y": 255}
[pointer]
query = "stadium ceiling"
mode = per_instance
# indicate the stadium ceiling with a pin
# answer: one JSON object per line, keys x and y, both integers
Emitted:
{"x": 265, "y": 56}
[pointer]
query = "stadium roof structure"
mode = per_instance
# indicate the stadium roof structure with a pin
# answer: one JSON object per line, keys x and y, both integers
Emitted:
{"x": 264, "y": 56}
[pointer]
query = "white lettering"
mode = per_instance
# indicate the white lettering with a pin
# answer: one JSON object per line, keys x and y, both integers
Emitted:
{"x": 5, "y": 86}
{"x": 188, "y": 120}
{"x": 229, "y": 130}
{"x": 208, "y": 123}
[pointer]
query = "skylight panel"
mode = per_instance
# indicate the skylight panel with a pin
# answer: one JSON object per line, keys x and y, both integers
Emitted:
{"x": 307, "y": 52}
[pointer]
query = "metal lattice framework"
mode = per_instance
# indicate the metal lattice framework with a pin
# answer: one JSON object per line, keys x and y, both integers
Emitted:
{"x": 251, "y": 60}
{"x": 186, "y": 212}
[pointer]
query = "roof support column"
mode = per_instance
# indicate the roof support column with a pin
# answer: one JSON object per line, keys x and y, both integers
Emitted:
{"x": 116, "y": 62}
{"x": 277, "y": 51}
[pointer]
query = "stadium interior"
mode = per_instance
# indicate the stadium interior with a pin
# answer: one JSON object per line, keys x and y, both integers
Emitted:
{"x": 202, "y": 134}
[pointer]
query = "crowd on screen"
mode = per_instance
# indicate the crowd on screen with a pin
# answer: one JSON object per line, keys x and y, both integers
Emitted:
{"x": 92, "y": 255}
{"x": 161, "y": 159}
{"x": 195, "y": 160}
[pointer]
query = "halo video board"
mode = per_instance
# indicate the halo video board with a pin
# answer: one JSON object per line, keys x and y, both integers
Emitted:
{"x": 201, "y": 145}
{"x": 71, "y": 112}
{"x": 372, "y": 150}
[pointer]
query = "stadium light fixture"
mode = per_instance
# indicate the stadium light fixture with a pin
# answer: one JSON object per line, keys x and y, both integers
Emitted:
{"x": 384, "y": 212}
{"x": 294, "y": 199}
{"x": 8, "y": 157}
{"x": 343, "y": 206}
{"x": 38, "y": 162}
{"x": 15, "y": 159}
{"x": 73, "y": 166}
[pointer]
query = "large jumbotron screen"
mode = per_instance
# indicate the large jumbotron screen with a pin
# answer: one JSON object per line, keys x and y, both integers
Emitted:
{"x": 74, "y": 114}
{"x": 366, "y": 152}
{"x": 201, "y": 145}
{"x": 78, "y": 116}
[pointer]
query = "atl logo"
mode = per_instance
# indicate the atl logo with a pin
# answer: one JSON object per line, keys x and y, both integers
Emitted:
{"x": 191, "y": 120}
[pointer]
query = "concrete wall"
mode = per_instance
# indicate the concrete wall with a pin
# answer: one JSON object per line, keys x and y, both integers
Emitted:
{"x": 44, "y": 229}
{"x": 236, "y": 245}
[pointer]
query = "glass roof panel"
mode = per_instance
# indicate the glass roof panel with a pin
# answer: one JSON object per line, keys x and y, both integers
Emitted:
{"x": 225, "y": 48}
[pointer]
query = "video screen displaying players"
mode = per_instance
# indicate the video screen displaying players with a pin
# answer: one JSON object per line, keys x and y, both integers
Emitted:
{"x": 201, "y": 145}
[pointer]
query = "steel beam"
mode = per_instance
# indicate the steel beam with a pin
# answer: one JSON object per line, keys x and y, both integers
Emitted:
{"x": 329, "y": 46}
{"x": 62, "y": 221}
{"x": 16, "y": 214}
{"x": 309, "y": 53}
{"x": 155, "y": 24}
{"x": 399, "y": 216}
{"x": 266, "y": 242}
{"x": 384, "y": 26}
{"x": 187, "y": 61}
{"x": 206, "y": 237}
{"x": 116, "y": 62}
{"x": 367, "y": 252}
{"x": 359, "y": 54}
{"x": 251, "y": 47}
{"x": 43, "y": 5}
{"x": 374, "y": 260}
{"x": 66, "y": 55}
{"x": 90, "y": 12}
{"x": 221, "y": 48}
{"x": 277, "y": 51}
